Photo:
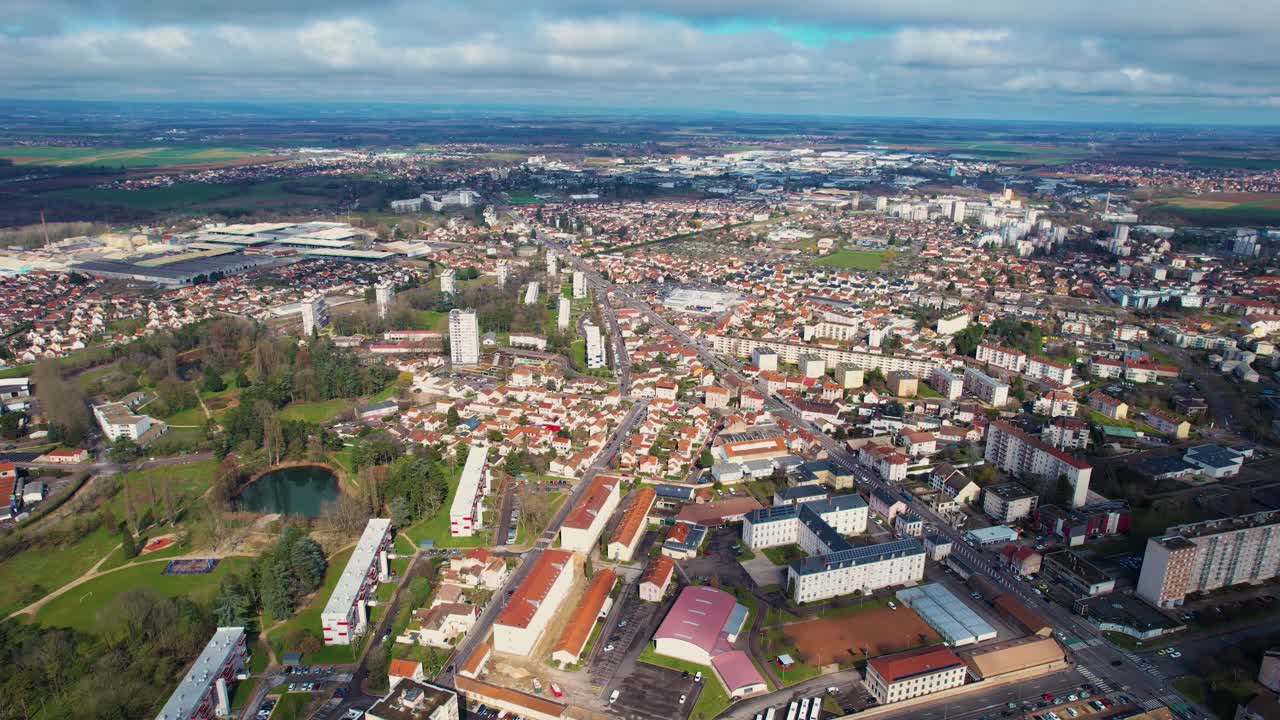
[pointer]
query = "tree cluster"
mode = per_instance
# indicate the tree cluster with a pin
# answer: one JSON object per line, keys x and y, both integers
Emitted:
{"x": 293, "y": 569}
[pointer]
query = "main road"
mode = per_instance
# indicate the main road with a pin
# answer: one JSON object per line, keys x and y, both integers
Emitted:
{"x": 1095, "y": 657}
{"x": 483, "y": 625}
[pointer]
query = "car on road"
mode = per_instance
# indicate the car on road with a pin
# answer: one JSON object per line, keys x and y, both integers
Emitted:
{"x": 893, "y": 605}
{"x": 614, "y": 697}
{"x": 608, "y": 648}
{"x": 683, "y": 698}
{"x": 1073, "y": 697}
{"x": 353, "y": 714}
{"x": 698, "y": 677}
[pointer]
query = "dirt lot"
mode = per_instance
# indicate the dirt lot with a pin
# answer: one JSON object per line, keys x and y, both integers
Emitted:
{"x": 878, "y": 630}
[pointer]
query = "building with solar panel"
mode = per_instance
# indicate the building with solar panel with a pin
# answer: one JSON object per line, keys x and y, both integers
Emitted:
{"x": 849, "y": 570}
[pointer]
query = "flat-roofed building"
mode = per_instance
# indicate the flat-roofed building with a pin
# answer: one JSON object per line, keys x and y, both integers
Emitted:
{"x": 631, "y": 526}
{"x": 530, "y": 608}
{"x": 119, "y": 422}
{"x": 416, "y": 700}
{"x": 955, "y": 621}
{"x": 345, "y": 615}
{"x": 1008, "y": 502}
{"x": 464, "y": 337}
{"x": 203, "y": 692}
{"x": 902, "y": 383}
{"x": 315, "y": 315}
{"x": 586, "y": 520}
{"x": 986, "y": 388}
{"x": 1077, "y": 573}
{"x": 1209, "y": 555}
{"x": 1022, "y": 654}
{"x": 911, "y": 674}
{"x": 466, "y": 514}
{"x": 811, "y": 523}
{"x": 1002, "y": 357}
{"x": 1014, "y": 451}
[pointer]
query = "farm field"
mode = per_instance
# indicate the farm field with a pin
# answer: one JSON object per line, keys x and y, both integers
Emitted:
{"x": 1217, "y": 209}
{"x": 80, "y": 607}
{"x": 855, "y": 259}
{"x": 879, "y": 630}
{"x": 124, "y": 157}
{"x": 196, "y": 196}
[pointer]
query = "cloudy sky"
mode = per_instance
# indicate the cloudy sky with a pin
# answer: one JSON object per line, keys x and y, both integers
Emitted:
{"x": 1139, "y": 60}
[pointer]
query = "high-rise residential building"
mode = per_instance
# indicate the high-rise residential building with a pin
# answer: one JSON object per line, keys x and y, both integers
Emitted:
{"x": 1209, "y": 555}
{"x": 346, "y": 614}
{"x": 1121, "y": 233}
{"x": 553, "y": 263}
{"x": 882, "y": 203}
{"x": 203, "y": 691}
{"x": 449, "y": 281}
{"x": 383, "y": 293}
{"x": 315, "y": 315}
{"x": 1023, "y": 455}
{"x": 562, "y": 316}
{"x": 957, "y": 211}
{"x": 504, "y": 272}
{"x": 595, "y": 347}
{"x": 579, "y": 284}
{"x": 464, "y": 337}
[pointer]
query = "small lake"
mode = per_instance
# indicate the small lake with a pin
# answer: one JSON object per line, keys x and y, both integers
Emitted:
{"x": 301, "y": 490}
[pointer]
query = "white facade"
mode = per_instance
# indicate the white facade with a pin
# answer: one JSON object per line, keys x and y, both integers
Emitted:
{"x": 528, "y": 612}
{"x": 531, "y": 293}
{"x": 848, "y": 377}
{"x": 582, "y": 527}
{"x": 986, "y": 388}
{"x": 1001, "y": 357}
{"x": 595, "y": 347}
{"x": 117, "y": 422}
{"x": 563, "y": 312}
{"x": 464, "y": 337}
{"x": 315, "y": 315}
{"x": 1210, "y": 555}
{"x": 765, "y": 359}
{"x": 345, "y": 615}
{"x": 449, "y": 281}
{"x": 869, "y": 570}
{"x": 812, "y": 366}
{"x": 947, "y": 383}
{"x": 553, "y": 263}
{"x": 1016, "y": 452}
{"x": 504, "y": 272}
{"x": 466, "y": 515}
{"x": 197, "y": 696}
{"x": 1038, "y": 368}
{"x": 383, "y": 294}
{"x": 925, "y": 682}
{"x": 579, "y": 284}
{"x": 791, "y": 352}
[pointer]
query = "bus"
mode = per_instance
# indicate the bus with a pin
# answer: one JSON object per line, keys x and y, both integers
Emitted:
{"x": 791, "y": 710}
{"x": 804, "y": 709}
{"x": 769, "y": 715}
{"x": 815, "y": 709}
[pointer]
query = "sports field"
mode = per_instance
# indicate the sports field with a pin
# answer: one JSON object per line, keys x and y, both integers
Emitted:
{"x": 879, "y": 630}
{"x": 159, "y": 156}
{"x": 856, "y": 259}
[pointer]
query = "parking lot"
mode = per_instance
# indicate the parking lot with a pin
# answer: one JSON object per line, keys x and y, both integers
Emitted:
{"x": 624, "y": 639}
{"x": 653, "y": 693}
{"x": 718, "y": 558}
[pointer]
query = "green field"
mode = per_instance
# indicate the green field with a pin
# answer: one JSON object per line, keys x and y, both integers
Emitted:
{"x": 79, "y": 608}
{"x": 436, "y": 527}
{"x": 316, "y": 412}
{"x": 123, "y": 157}
{"x": 190, "y": 479}
{"x": 50, "y": 568}
{"x": 855, "y": 259}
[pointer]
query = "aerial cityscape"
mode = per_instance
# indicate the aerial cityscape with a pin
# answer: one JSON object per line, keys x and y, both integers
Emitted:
{"x": 681, "y": 361}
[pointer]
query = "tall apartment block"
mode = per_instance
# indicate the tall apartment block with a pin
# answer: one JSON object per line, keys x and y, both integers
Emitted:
{"x": 315, "y": 315}
{"x": 1209, "y": 555}
{"x": 464, "y": 337}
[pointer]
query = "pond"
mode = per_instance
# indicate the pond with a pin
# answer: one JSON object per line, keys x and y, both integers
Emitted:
{"x": 301, "y": 490}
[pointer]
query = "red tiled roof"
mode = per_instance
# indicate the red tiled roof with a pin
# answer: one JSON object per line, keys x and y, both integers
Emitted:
{"x": 483, "y": 690}
{"x": 524, "y": 602}
{"x": 911, "y": 663}
{"x": 584, "y": 615}
{"x": 658, "y": 571}
{"x": 403, "y": 668}
{"x": 584, "y": 513}
{"x": 633, "y": 518}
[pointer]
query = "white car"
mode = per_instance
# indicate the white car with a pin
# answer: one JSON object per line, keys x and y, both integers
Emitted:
{"x": 683, "y": 698}
{"x": 698, "y": 677}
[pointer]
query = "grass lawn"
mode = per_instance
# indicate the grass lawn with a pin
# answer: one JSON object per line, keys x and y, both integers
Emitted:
{"x": 430, "y": 320}
{"x": 50, "y": 569}
{"x": 855, "y": 259}
{"x": 714, "y": 697}
{"x": 316, "y": 412}
{"x": 118, "y": 559}
{"x": 925, "y": 391}
{"x": 190, "y": 479}
{"x": 342, "y": 458}
{"x": 79, "y": 608}
{"x": 244, "y": 692}
{"x": 307, "y": 617}
{"x": 783, "y": 554}
{"x": 436, "y": 527}
{"x": 292, "y": 706}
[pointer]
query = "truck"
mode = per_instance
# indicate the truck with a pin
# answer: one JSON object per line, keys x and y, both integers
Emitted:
{"x": 555, "y": 690}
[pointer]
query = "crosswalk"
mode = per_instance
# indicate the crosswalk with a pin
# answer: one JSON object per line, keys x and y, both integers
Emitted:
{"x": 1152, "y": 670}
{"x": 1102, "y": 685}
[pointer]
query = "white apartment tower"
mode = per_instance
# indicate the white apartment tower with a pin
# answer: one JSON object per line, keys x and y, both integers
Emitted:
{"x": 553, "y": 264}
{"x": 383, "y": 293}
{"x": 579, "y": 284}
{"x": 562, "y": 317}
{"x": 448, "y": 281}
{"x": 957, "y": 211}
{"x": 504, "y": 272}
{"x": 315, "y": 315}
{"x": 464, "y": 337}
{"x": 595, "y": 347}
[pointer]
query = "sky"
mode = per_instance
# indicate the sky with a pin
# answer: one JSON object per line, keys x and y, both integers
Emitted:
{"x": 1106, "y": 60}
